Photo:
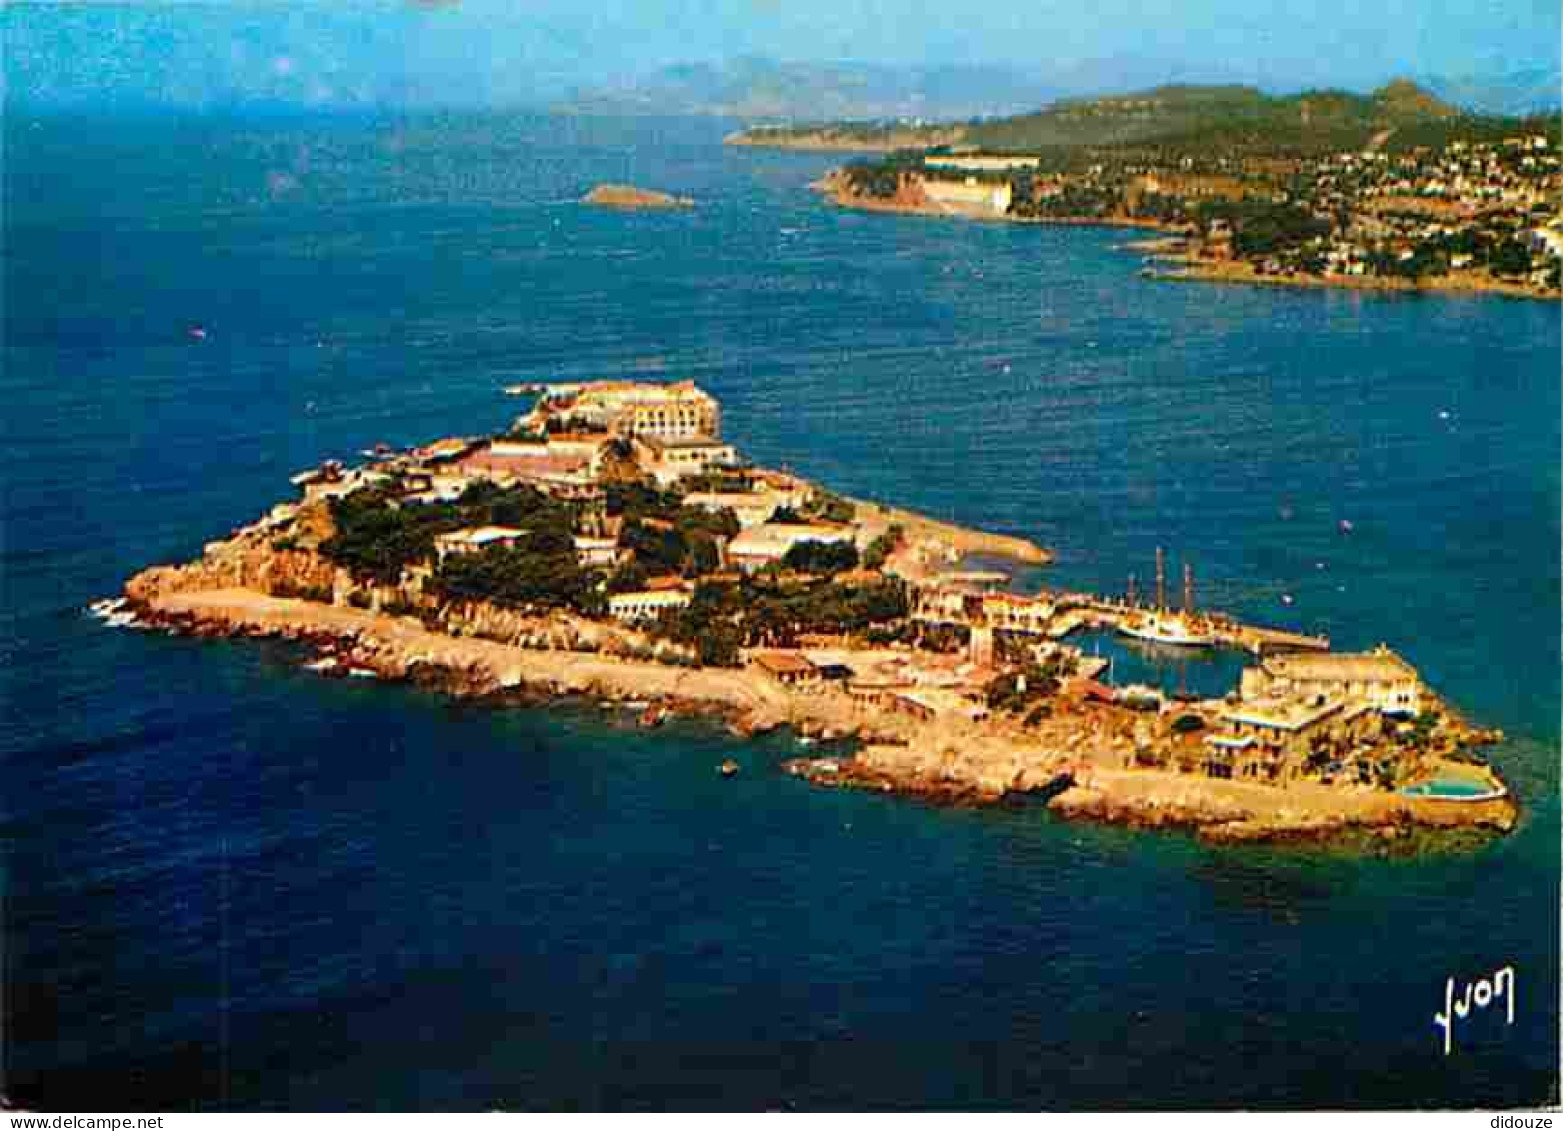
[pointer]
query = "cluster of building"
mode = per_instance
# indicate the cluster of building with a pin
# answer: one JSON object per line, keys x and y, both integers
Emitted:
{"x": 573, "y": 439}
{"x": 1292, "y": 709}
{"x": 919, "y": 685}
{"x": 1295, "y": 713}
{"x": 1436, "y": 212}
{"x": 1422, "y": 211}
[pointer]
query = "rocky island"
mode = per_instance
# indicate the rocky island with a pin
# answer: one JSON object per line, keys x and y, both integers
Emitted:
{"x": 630, "y": 197}
{"x": 611, "y": 545}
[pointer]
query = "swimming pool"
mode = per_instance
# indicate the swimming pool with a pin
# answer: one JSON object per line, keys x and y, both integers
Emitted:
{"x": 1454, "y": 789}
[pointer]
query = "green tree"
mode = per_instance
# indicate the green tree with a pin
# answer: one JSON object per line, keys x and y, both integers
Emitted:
{"x": 821, "y": 557}
{"x": 1510, "y": 257}
{"x": 882, "y": 547}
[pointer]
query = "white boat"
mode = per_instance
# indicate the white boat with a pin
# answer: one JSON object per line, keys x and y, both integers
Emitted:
{"x": 1162, "y": 628}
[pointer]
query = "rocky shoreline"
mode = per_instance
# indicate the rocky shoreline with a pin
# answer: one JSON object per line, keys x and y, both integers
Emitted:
{"x": 1194, "y": 270}
{"x": 1191, "y": 269}
{"x": 944, "y": 762}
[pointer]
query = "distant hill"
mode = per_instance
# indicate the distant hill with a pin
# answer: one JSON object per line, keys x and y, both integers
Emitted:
{"x": 1236, "y": 117}
{"x": 1194, "y": 117}
{"x": 754, "y": 88}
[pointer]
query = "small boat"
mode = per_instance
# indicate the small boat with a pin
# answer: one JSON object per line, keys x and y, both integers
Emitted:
{"x": 1345, "y": 526}
{"x": 107, "y": 607}
{"x": 653, "y": 716}
{"x": 728, "y": 768}
{"x": 1159, "y": 628}
{"x": 198, "y": 333}
{"x": 1286, "y": 599}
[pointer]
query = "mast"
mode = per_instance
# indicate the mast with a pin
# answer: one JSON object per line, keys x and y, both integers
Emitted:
{"x": 1161, "y": 580}
{"x": 1132, "y": 594}
{"x": 1188, "y": 588}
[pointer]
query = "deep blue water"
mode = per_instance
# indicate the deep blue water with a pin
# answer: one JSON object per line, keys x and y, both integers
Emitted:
{"x": 228, "y": 882}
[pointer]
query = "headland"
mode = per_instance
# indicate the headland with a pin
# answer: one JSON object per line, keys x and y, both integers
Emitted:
{"x": 1395, "y": 191}
{"x": 611, "y": 544}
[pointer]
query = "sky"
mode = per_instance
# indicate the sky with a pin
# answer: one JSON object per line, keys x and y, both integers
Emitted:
{"x": 524, "y": 51}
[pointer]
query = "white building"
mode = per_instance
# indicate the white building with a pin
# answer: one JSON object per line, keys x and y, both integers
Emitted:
{"x": 475, "y": 538}
{"x": 597, "y": 553}
{"x": 981, "y": 164}
{"x": 971, "y": 194}
{"x": 646, "y": 604}
{"x": 668, "y": 460}
{"x": 769, "y": 542}
{"x": 634, "y": 408}
{"x": 1379, "y": 678}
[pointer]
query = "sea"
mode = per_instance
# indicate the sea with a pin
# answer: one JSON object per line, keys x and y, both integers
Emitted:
{"x": 229, "y": 883}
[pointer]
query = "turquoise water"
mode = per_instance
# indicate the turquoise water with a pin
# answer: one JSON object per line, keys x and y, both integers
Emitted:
{"x": 1452, "y": 788}
{"x": 231, "y": 883}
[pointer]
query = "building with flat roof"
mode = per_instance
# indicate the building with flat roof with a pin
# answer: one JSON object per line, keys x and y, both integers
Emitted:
{"x": 791, "y": 669}
{"x": 597, "y": 553}
{"x": 750, "y": 508}
{"x": 669, "y": 459}
{"x": 646, "y": 604}
{"x": 541, "y": 469}
{"x": 769, "y": 542}
{"x": 981, "y": 164}
{"x": 1379, "y": 678}
{"x": 475, "y": 538}
{"x": 970, "y": 194}
{"x": 1270, "y": 739}
{"x": 634, "y": 408}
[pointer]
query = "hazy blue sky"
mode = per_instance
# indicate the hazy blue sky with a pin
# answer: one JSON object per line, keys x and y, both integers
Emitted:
{"x": 523, "y": 50}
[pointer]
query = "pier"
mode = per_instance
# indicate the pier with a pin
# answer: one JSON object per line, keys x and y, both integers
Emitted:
{"x": 969, "y": 599}
{"x": 1083, "y": 611}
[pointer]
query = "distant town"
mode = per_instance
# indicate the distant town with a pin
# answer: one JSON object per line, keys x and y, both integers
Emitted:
{"x": 1391, "y": 192}
{"x": 612, "y": 544}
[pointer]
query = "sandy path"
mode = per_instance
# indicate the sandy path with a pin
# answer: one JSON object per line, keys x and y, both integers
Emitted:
{"x": 512, "y": 666}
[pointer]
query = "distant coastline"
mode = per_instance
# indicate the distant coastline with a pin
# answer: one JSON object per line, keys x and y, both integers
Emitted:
{"x": 1192, "y": 268}
{"x": 828, "y": 140}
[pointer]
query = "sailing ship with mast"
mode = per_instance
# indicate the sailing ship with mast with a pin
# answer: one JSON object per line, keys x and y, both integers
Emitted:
{"x": 1161, "y": 625}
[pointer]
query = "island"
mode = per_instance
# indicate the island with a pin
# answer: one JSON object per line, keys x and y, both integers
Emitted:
{"x": 610, "y": 544}
{"x": 1389, "y": 191}
{"x": 629, "y": 197}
